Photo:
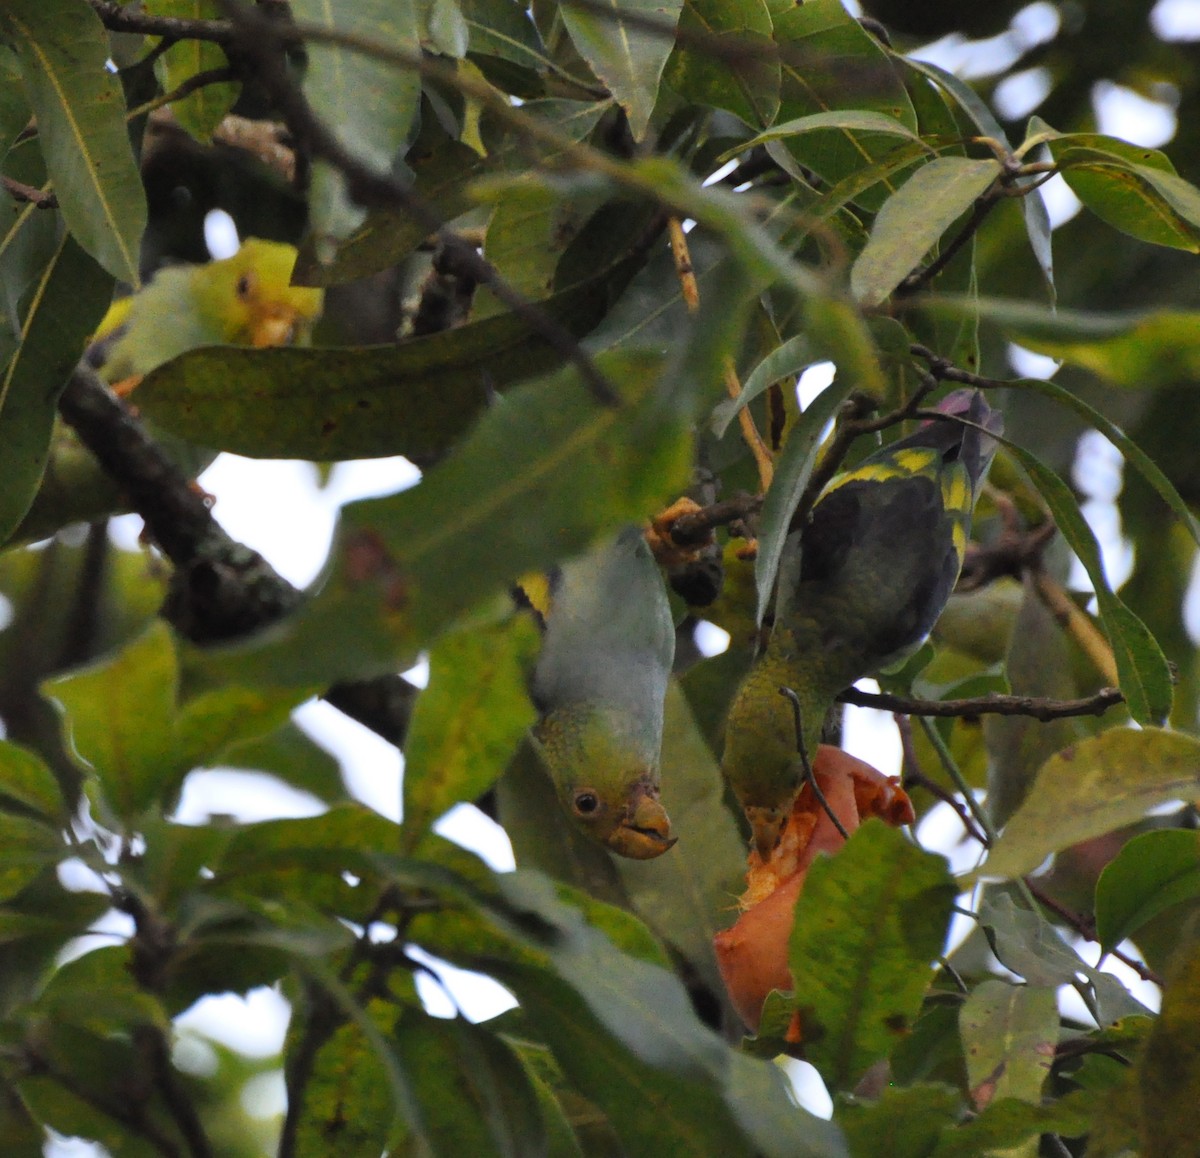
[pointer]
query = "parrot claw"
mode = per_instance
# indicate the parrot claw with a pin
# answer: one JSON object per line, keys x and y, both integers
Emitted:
{"x": 767, "y": 826}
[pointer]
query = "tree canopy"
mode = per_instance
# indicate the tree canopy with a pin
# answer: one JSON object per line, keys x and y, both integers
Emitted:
{"x": 575, "y": 257}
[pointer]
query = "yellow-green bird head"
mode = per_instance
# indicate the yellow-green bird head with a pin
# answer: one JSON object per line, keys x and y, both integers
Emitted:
{"x": 243, "y": 300}
{"x": 599, "y": 686}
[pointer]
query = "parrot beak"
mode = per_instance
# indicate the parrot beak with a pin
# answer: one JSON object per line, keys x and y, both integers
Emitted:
{"x": 766, "y": 825}
{"x": 645, "y": 830}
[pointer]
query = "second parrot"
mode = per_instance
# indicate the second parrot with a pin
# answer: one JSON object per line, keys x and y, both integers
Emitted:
{"x": 861, "y": 585}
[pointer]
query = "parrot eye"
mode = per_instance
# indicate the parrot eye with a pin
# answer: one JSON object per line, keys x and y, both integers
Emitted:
{"x": 586, "y": 803}
{"x": 242, "y": 289}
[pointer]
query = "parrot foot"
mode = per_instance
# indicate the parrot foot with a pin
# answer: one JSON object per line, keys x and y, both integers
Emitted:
{"x": 667, "y": 551}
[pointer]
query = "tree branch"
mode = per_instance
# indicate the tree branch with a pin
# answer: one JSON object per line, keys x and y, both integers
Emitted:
{"x": 1039, "y": 707}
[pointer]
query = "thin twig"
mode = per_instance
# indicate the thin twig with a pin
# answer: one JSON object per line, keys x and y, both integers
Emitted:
{"x": 693, "y": 529}
{"x": 157, "y": 1052}
{"x": 994, "y": 704}
{"x": 19, "y": 191}
{"x": 950, "y": 765}
{"x": 914, "y": 777}
{"x": 810, "y": 777}
{"x": 193, "y": 83}
{"x": 1078, "y": 624}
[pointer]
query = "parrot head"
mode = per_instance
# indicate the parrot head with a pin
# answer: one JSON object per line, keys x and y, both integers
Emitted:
{"x": 766, "y": 826}
{"x": 259, "y": 306}
{"x": 605, "y": 781}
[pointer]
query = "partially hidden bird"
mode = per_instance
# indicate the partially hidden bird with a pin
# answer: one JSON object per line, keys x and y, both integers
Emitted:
{"x": 599, "y": 685}
{"x": 861, "y": 584}
{"x": 243, "y": 300}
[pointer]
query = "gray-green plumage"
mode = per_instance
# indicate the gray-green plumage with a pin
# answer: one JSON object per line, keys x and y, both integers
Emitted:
{"x": 860, "y": 586}
{"x": 599, "y": 686}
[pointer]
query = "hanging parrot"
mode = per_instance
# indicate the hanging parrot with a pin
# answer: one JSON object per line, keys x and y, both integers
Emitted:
{"x": 243, "y": 300}
{"x": 598, "y": 687}
{"x": 860, "y": 586}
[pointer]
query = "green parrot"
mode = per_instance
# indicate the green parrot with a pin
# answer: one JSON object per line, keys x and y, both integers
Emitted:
{"x": 860, "y": 586}
{"x": 599, "y": 685}
{"x": 243, "y": 300}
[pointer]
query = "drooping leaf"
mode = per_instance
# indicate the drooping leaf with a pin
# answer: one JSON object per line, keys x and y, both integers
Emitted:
{"x": 80, "y": 112}
{"x": 369, "y": 103}
{"x": 1144, "y": 675}
{"x": 467, "y": 723}
{"x": 628, "y": 57}
{"x": 414, "y": 399}
{"x": 911, "y": 222}
{"x": 56, "y": 314}
{"x": 1028, "y": 944}
{"x": 1092, "y": 788}
{"x": 868, "y": 926}
{"x": 793, "y": 469}
{"x": 1009, "y": 1037}
{"x": 202, "y": 110}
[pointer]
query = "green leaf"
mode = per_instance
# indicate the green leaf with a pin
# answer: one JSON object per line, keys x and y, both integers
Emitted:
{"x": 327, "y": 404}
{"x": 1144, "y": 675}
{"x": 370, "y": 104}
{"x": 295, "y": 758}
{"x": 871, "y": 921}
{"x": 1007, "y": 1123}
{"x": 1028, "y": 944}
{"x": 347, "y": 1109}
{"x": 475, "y": 1097}
{"x": 1152, "y": 872}
{"x": 627, "y": 57}
{"x": 1170, "y": 1063}
{"x": 831, "y": 64}
{"x": 793, "y": 469}
{"x": 1130, "y": 451}
{"x": 80, "y": 112}
{"x": 467, "y": 723}
{"x": 902, "y": 1123}
{"x": 1134, "y": 189}
{"x": 120, "y": 716}
{"x": 625, "y": 1034}
{"x": 786, "y": 361}
{"x": 25, "y": 779}
{"x": 27, "y": 846}
{"x": 57, "y": 312}
{"x": 862, "y": 121}
{"x": 201, "y": 111}
{"x": 212, "y": 722}
{"x": 14, "y": 109}
{"x": 912, "y": 221}
{"x": 684, "y": 894}
{"x": 502, "y": 28}
{"x": 1094, "y": 787}
{"x": 746, "y": 81}
{"x": 537, "y": 480}
{"x": 1009, "y": 1037}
